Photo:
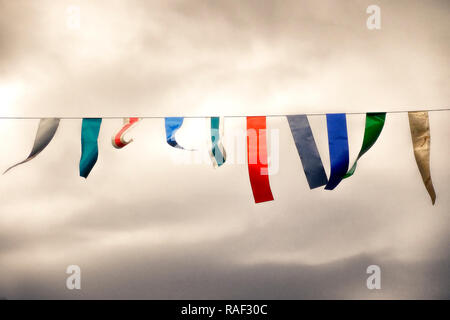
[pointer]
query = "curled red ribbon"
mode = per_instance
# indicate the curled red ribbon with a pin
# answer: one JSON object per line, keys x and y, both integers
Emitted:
{"x": 258, "y": 168}
{"x": 118, "y": 140}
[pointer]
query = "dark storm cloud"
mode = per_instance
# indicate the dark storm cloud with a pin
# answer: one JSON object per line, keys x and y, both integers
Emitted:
{"x": 201, "y": 273}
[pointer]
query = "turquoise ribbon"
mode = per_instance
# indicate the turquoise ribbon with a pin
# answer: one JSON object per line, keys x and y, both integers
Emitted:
{"x": 217, "y": 149}
{"x": 89, "y": 145}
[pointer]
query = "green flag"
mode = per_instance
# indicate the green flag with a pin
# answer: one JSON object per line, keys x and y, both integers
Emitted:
{"x": 374, "y": 125}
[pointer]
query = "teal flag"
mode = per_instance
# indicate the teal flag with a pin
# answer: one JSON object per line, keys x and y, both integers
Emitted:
{"x": 217, "y": 153}
{"x": 89, "y": 144}
{"x": 374, "y": 126}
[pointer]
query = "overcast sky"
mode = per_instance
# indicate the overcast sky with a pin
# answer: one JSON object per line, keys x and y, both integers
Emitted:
{"x": 144, "y": 225}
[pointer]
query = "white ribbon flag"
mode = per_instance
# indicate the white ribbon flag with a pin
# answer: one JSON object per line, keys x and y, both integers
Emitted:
{"x": 45, "y": 133}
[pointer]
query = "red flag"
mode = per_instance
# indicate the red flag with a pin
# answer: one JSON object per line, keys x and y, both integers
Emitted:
{"x": 258, "y": 168}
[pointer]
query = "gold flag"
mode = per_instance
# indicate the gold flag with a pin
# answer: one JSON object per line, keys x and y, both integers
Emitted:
{"x": 420, "y": 134}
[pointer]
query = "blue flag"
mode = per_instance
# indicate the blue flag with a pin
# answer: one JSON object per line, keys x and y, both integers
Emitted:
{"x": 172, "y": 126}
{"x": 338, "y": 146}
{"x": 307, "y": 150}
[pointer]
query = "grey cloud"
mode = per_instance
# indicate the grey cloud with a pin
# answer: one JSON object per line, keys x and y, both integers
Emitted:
{"x": 200, "y": 274}
{"x": 143, "y": 227}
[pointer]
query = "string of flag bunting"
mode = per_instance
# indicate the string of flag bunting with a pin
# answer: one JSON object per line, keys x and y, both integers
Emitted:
{"x": 257, "y": 145}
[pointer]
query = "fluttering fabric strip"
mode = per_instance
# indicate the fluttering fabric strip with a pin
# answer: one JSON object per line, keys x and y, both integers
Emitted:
{"x": 374, "y": 126}
{"x": 118, "y": 140}
{"x": 257, "y": 159}
{"x": 419, "y": 125}
{"x": 45, "y": 133}
{"x": 217, "y": 153}
{"x": 89, "y": 144}
{"x": 307, "y": 150}
{"x": 172, "y": 125}
{"x": 338, "y": 146}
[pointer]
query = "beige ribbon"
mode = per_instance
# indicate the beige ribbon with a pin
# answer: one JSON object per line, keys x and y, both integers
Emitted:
{"x": 420, "y": 134}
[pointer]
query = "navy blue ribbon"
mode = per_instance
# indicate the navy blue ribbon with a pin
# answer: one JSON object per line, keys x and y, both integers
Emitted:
{"x": 338, "y": 146}
{"x": 307, "y": 150}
